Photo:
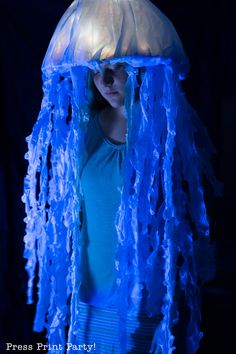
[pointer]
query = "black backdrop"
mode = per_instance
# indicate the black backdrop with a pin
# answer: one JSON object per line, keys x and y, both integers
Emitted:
{"x": 207, "y": 29}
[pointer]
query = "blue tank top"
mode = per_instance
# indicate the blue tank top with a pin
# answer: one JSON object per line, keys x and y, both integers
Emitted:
{"x": 101, "y": 180}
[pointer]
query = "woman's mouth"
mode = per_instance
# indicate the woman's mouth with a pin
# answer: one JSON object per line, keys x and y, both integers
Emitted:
{"x": 111, "y": 93}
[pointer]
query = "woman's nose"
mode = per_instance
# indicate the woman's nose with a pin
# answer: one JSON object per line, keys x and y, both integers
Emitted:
{"x": 108, "y": 78}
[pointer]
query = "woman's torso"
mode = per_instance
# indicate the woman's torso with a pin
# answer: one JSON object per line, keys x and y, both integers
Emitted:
{"x": 101, "y": 181}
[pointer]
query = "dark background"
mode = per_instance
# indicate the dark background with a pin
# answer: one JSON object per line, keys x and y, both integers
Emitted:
{"x": 207, "y": 29}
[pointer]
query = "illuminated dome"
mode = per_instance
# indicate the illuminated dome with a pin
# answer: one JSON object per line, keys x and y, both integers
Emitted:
{"x": 134, "y": 31}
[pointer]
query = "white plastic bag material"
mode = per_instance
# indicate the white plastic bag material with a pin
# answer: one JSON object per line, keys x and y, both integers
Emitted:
{"x": 134, "y": 31}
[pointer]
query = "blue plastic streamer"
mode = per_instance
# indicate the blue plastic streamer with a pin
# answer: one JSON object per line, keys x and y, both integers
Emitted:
{"x": 162, "y": 218}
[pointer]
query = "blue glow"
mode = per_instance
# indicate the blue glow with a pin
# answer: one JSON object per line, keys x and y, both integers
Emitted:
{"x": 153, "y": 220}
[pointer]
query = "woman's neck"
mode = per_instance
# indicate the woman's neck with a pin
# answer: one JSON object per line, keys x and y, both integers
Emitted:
{"x": 114, "y": 123}
{"x": 117, "y": 114}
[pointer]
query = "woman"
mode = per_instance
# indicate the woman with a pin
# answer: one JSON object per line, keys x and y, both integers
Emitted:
{"x": 144, "y": 154}
{"x": 101, "y": 181}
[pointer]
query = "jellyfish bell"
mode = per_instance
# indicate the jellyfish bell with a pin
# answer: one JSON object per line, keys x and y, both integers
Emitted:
{"x": 153, "y": 220}
{"x": 134, "y": 31}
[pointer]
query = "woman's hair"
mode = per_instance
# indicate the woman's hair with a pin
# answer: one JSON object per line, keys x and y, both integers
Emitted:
{"x": 96, "y": 101}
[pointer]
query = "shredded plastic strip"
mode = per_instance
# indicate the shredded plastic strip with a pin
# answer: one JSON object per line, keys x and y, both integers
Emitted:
{"x": 162, "y": 218}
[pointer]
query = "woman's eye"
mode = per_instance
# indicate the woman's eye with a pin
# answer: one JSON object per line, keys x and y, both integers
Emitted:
{"x": 95, "y": 73}
{"x": 118, "y": 67}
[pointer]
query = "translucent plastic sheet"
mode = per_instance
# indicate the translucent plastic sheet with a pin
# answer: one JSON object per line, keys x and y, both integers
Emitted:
{"x": 107, "y": 29}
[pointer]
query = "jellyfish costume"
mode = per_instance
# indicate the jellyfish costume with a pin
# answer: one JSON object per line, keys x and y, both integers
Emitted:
{"x": 162, "y": 226}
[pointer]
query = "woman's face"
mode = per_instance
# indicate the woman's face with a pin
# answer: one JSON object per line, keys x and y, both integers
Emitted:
{"x": 110, "y": 81}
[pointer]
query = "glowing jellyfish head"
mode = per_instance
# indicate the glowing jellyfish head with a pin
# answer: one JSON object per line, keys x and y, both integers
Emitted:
{"x": 134, "y": 31}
